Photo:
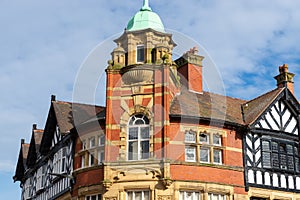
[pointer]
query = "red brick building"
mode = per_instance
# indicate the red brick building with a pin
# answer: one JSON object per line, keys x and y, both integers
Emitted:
{"x": 160, "y": 136}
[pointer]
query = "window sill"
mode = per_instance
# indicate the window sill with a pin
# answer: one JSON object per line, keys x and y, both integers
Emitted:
{"x": 219, "y": 166}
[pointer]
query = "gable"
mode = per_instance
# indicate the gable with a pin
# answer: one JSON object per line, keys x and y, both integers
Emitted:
{"x": 279, "y": 118}
{"x": 281, "y": 115}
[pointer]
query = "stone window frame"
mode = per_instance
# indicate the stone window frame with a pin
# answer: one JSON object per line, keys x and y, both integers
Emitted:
{"x": 125, "y": 117}
{"x": 205, "y": 190}
{"x": 91, "y": 196}
{"x": 140, "y": 47}
{"x": 139, "y": 139}
{"x": 210, "y": 145}
{"x": 219, "y": 196}
{"x": 133, "y": 191}
{"x": 193, "y": 192}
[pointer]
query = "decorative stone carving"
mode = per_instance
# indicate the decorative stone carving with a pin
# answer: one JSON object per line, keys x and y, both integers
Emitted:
{"x": 137, "y": 76}
{"x": 167, "y": 182}
{"x": 164, "y": 197}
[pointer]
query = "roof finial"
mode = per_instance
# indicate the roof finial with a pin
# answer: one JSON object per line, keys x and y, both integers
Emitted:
{"x": 146, "y": 6}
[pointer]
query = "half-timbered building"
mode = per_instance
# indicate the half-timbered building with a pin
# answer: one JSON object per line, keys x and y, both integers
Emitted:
{"x": 45, "y": 165}
{"x": 161, "y": 136}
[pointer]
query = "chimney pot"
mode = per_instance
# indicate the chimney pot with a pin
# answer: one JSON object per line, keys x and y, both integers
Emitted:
{"x": 22, "y": 141}
{"x": 53, "y": 98}
{"x": 34, "y": 127}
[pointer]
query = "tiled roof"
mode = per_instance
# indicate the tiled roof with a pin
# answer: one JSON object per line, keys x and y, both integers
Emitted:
{"x": 38, "y": 135}
{"x": 255, "y": 107}
{"x": 25, "y": 150}
{"x": 70, "y": 114}
{"x": 214, "y": 106}
{"x": 208, "y": 105}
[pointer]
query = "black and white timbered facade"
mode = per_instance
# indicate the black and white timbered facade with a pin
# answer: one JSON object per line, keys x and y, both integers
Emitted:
{"x": 45, "y": 166}
{"x": 47, "y": 171}
{"x": 271, "y": 144}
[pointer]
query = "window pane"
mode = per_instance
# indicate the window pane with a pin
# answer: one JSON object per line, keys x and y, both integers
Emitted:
{"x": 204, "y": 138}
{"x": 204, "y": 155}
{"x": 63, "y": 164}
{"x": 275, "y": 146}
{"x": 146, "y": 195}
{"x": 282, "y": 148}
{"x": 92, "y": 161}
{"x": 94, "y": 197}
{"x": 216, "y": 196}
{"x": 216, "y": 139}
{"x": 83, "y": 144}
{"x": 266, "y": 156}
{"x": 190, "y": 153}
{"x": 290, "y": 163}
{"x": 140, "y": 54}
{"x": 275, "y": 160}
{"x": 102, "y": 140}
{"x": 297, "y": 164}
{"x": 137, "y": 195}
{"x": 92, "y": 142}
{"x": 145, "y": 149}
{"x": 289, "y": 149}
{"x": 265, "y": 145}
{"x": 190, "y": 136}
{"x": 283, "y": 160}
{"x": 82, "y": 161}
{"x": 217, "y": 156}
{"x": 130, "y": 196}
{"x": 145, "y": 133}
{"x": 133, "y": 149}
{"x": 296, "y": 151}
{"x": 100, "y": 156}
{"x": 133, "y": 133}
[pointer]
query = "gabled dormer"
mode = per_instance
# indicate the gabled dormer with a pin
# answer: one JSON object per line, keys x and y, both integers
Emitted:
{"x": 21, "y": 164}
{"x": 34, "y": 147}
{"x": 271, "y": 145}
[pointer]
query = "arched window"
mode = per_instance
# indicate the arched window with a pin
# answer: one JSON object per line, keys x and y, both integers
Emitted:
{"x": 138, "y": 138}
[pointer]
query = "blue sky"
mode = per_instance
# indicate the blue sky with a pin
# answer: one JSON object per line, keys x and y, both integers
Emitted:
{"x": 44, "y": 43}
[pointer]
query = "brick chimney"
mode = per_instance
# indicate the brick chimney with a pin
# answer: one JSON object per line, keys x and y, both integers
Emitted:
{"x": 285, "y": 78}
{"x": 190, "y": 70}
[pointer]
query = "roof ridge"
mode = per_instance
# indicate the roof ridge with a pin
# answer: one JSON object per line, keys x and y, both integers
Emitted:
{"x": 84, "y": 104}
{"x": 236, "y": 98}
{"x": 262, "y": 95}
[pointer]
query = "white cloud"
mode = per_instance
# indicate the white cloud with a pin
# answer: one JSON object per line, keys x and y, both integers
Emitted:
{"x": 43, "y": 43}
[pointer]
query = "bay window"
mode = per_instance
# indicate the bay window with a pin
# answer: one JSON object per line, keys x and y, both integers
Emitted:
{"x": 279, "y": 154}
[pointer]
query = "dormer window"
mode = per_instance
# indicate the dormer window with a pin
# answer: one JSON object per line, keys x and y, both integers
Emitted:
{"x": 140, "y": 54}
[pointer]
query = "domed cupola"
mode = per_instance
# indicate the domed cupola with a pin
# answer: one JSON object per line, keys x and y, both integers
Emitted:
{"x": 145, "y": 19}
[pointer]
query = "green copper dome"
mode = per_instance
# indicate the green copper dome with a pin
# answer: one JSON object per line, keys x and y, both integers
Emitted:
{"x": 144, "y": 19}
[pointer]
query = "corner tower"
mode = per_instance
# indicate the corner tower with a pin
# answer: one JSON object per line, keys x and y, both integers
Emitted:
{"x": 141, "y": 83}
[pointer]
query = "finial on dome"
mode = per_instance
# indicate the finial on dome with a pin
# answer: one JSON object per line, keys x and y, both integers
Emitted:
{"x": 146, "y": 6}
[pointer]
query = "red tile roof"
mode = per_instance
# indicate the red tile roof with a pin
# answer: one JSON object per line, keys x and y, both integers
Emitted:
{"x": 255, "y": 107}
{"x": 218, "y": 107}
{"x": 208, "y": 105}
{"x": 70, "y": 114}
